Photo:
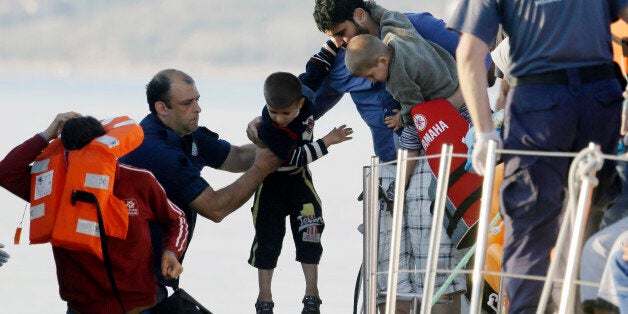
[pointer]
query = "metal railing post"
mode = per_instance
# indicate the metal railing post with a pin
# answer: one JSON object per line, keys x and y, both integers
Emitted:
{"x": 481, "y": 244}
{"x": 366, "y": 239}
{"x": 584, "y": 201}
{"x": 371, "y": 235}
{"x": 397, "y": 218}
{"x": 437, "y": 228}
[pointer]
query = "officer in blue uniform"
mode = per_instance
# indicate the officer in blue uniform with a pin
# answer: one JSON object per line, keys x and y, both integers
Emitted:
{"x": 564, "y": 95}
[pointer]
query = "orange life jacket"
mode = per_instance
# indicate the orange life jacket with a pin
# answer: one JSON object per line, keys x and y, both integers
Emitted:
{"x": 48, "y": 174}
{"x": 74, "y": 225}
{"x": 495, "y": 242}
{"x": 619, "y": 33}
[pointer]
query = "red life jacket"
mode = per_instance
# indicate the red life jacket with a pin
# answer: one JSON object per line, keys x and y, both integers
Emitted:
{"x": 437, "y": 123}
{"x": 91, "y": 169}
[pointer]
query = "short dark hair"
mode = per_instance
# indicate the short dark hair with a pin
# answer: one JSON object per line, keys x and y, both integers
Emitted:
{"x": 158, "y": 89}
{"x": 282, "y": 89}
{"x": 80, "y": 131}
{"x": 329, "y": 13}
{"x": 363, "y": 53}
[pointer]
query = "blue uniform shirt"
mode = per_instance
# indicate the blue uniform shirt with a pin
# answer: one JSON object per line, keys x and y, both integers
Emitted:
{"x": 544, "y": 35}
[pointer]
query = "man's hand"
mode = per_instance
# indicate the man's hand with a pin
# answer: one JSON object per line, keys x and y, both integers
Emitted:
{"x": 394, "y": 122}
{"x": 57, "y": 124}
{"x": 337, "y": 135}
{"x": 4, "y": 256}
{"x": 170, "y": 266}
{"x": 266, "y": 160}
{"x": 251, "y": 131}
{"x": 480, "y": 150}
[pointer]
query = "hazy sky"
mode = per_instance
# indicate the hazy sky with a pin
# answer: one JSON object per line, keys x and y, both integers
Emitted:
{"x": 96, "y": 79}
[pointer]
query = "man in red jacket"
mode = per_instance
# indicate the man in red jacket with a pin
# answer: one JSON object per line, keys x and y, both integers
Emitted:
{"x": 83, "y": 279}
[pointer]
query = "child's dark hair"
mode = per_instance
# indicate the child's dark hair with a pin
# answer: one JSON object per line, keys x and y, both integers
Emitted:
{"x": 329, "y": 13}
{"x": 80, "y": 131}
{"x": 282, "y": 89}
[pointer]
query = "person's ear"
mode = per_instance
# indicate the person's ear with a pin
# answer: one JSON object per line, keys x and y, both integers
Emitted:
{"x": 301, "y": 102}
{"x": 160, "y": 108}
{"x": 359, "y": 15}
{"x": 383, "y": 59}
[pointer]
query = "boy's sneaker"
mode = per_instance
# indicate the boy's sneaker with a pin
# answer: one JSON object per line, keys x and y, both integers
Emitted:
{"x": 311, "y": 305}
{"x": 264, "y": 307}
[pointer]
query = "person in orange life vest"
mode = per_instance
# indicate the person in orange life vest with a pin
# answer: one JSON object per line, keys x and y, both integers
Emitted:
{"x": 82, "y": 277}
{"x": 175, "y": 149}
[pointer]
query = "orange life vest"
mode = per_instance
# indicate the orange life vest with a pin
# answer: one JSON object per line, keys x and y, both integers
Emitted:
{"x": 495, "y": 243}
{"x": 48, "y": 174}
{"x": 619, "y": 33}
{"x": 74, "y": 225}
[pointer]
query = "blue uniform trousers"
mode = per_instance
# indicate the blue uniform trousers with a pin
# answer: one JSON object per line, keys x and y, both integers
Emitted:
{"x": 558, "y": 118}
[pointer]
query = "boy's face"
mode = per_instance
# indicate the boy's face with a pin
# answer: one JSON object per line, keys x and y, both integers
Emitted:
{"x": 377, "y": 73}
{"x": 283, "y": 116}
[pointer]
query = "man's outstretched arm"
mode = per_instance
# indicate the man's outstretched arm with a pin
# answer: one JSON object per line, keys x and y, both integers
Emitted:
{"x": 217, "y": 204}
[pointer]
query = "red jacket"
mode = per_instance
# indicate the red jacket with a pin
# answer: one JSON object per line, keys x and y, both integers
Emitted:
{"x": 82, "y": 277}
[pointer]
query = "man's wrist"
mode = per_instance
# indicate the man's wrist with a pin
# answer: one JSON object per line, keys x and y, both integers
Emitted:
{"x": 486, "y": 136}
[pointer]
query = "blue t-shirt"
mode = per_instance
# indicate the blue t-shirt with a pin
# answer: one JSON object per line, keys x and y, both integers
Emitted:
{"x": 372, "y": 100}
{"x": 545, "y": 35}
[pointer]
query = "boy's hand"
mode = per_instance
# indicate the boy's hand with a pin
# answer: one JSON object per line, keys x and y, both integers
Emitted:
{"x": 57, "y": 124}
{"x": 394, "y": 122}
{"x": 170, "y": 266}
{"x": 338, "y": 135}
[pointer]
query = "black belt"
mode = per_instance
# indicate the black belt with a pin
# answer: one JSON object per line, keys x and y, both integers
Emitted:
{"x": 560, "y": 77}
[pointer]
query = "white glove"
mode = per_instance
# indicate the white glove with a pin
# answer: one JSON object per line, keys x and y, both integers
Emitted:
{"x": 480, "y": 150}
{"x": 4, "y": 256}
{"x": 624, "y": 117}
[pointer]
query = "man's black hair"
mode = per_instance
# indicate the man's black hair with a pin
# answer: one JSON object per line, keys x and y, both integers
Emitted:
{"x": 80, "y": 131}
{"x": 159, "y": 87}
{"x": 329, "y": 13}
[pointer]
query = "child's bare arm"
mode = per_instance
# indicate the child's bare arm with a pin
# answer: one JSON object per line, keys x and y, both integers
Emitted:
{"x": 337, "y": 135}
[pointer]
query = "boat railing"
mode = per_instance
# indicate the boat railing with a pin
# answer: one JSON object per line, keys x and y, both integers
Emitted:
{"x": 582, "y": 181}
